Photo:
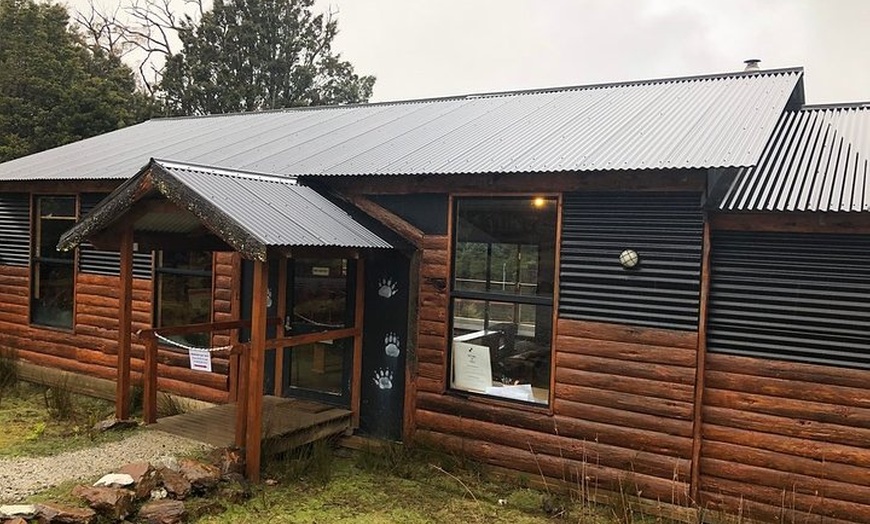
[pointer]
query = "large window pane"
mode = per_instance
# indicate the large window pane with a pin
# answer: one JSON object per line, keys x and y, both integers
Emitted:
{"x": 52, "y": 297}
{"x": 184, "y": 289}
{"x": 53, "y": 271}
{"x": 502, "y": 297}
{"x": 505, "y": 245}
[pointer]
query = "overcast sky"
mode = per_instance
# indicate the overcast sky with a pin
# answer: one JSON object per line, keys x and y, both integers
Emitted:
{"x": 426, "y": 48}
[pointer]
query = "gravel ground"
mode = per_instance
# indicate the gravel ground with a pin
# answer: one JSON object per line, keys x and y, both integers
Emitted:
{"x": 21, "y": 477}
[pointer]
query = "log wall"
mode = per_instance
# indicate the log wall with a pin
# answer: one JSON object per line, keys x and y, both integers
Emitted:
{"x": 786, "y": 441}
{"x": 91, "y": 347}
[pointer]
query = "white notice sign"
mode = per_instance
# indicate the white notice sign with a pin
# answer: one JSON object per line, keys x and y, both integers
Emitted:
{"x": 200, "y": 359}
{"x": 471, "y": 367}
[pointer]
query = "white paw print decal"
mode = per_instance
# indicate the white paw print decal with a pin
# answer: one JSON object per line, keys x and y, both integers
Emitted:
{"x": 391, "y": 345}
{"x": 387, "y": 287}
{"x": 384, "y": 378}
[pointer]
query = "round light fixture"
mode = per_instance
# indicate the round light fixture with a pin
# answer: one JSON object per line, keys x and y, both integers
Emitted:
{"x": 629, "y": 259}
{"x": 539, "y": 202}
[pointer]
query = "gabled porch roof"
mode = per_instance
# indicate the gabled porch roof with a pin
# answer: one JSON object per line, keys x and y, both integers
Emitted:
{"x": 249, "y": 212}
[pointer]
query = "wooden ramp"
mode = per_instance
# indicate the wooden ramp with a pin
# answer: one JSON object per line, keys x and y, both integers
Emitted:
{"x": 287, "y": 424}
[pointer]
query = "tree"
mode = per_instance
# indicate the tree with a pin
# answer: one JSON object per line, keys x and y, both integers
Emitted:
{"x": 53, "y": 88}
{"x": 246, "y": 55}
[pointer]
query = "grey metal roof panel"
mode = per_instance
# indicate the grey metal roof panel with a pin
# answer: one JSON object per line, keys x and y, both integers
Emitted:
{"x": 275, "y": 210}
{"x": 694, "y": 122}
{"x": 818, "y": 159}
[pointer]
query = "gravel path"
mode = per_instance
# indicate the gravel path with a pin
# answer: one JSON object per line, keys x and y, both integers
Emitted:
{"x": 21, "y": 477}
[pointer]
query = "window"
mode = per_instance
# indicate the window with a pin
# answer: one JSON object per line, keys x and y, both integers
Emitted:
{"x": 183, "y": 292}
{"x": 504, "y": 255}
{"x": 53, "y": 271}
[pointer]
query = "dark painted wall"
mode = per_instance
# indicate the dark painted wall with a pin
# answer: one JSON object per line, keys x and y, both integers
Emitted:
{"x": 385, "y": 344}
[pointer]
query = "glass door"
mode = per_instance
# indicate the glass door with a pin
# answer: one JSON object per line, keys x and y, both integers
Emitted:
{"x": 320, "y": 297}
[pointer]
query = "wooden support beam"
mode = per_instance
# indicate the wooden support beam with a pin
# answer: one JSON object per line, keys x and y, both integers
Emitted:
{"x": 256, "y": 361}
{"x": 358, "y": 315}
{"x": 396, "y": 223}
{"x": 149, "y": 402}
{"x": 125, "y": 325}
{"x": 700, "y": 365}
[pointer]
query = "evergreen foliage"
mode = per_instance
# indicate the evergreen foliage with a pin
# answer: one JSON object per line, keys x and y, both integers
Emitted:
{"x": 53, "y": 88}
{"x": 247, "y": 55}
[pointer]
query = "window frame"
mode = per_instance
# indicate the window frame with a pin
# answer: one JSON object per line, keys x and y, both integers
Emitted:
{"x": 37, "y": 260}
{"x": 518, "y": 299}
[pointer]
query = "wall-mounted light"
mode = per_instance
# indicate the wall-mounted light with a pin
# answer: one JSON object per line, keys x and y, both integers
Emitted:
{"x": 539, "y": 202}
{"x": 629, "y": 259}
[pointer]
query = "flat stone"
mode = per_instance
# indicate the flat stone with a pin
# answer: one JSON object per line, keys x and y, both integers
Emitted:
{"x": 144, "y": 477}
{"x": 113, "y": 502}
{"x": 202, "y": 477}
{"x": 50, "y": 513}
{"x": 25, "y": 511}
{"x": 113, "y": 424}
{"x": 162, "y": 512}
{"x": 175, "y": 484}
{"x": 14, "y": 520}
{"x": 118, "y": 480}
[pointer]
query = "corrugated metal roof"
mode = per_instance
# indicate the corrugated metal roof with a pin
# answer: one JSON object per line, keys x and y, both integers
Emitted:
{"x": 817, "y": 160}
{"x": 694, "y": 122}
{"x": 250, "y": 212}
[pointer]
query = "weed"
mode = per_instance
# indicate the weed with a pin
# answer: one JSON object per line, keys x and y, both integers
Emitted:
{"x": 8, "y": 371}
{"x": 60, "y": 400}
{"x": 168, "y": 406}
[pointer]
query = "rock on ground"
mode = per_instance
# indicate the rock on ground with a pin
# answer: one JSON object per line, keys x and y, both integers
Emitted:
{"x": 24, "y": 476}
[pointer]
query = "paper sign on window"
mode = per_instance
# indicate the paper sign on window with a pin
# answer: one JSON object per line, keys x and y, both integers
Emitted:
{"x": 472, "y": 370}
{"x": 200, "y": 359}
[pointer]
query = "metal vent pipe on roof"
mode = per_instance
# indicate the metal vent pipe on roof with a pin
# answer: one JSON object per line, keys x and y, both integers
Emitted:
{"x": 752, "y": 64}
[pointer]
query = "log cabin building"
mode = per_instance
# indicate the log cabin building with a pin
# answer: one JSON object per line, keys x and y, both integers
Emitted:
{"x": 655, "y": 287}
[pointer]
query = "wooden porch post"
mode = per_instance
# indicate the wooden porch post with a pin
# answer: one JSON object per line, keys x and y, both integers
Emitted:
{"x": 358, "y": 315}
{"x": 125, "y": 325}
{"x": 255, "y": 371}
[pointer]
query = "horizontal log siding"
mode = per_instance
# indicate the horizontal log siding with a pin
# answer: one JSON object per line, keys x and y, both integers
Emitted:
{"x": 225, "y": 298}
{"x": 431, "y": 371}
{"x": 629, "y": 391}
{"x": 92, "y": 347}
{"x": 788, "y": 441}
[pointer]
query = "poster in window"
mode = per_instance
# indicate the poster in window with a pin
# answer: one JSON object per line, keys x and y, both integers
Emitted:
{"x": 472, "y": 370}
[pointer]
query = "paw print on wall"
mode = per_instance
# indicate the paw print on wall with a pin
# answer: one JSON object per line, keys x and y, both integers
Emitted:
{"x": 391, "y": 345}
{"x": 387, "y": 287}
{"x": 383, "y": 378}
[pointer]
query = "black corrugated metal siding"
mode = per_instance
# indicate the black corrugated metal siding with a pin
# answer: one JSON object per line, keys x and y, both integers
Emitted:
{"x": 666, "y": 230}
{"x": 92, "y": 260}
{"x": 801, "y": 297}
{"x": 14, "y": 229}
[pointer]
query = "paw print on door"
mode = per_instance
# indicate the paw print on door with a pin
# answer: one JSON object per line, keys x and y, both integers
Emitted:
{"x": 383, "y": 378}
{"x": 387, "y": 287}
{"x": 391, "y": 345}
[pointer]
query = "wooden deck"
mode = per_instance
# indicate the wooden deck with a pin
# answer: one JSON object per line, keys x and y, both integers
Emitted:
{"x": 287, "y": 424}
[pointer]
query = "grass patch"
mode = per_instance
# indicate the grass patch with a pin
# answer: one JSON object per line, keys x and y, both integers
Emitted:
{"x": 41, "y": 421}
{"x": 393, "y": 484}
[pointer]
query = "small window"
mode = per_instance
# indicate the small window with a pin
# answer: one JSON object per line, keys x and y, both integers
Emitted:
{"x": 183, "y": 292}
{"x": 504, "y": 255}
{"x": 53, "y": 271}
